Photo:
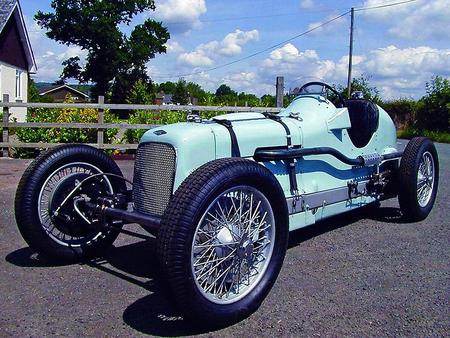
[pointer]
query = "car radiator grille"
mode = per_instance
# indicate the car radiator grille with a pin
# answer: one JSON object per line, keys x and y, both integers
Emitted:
{"x": 154, "y": 173}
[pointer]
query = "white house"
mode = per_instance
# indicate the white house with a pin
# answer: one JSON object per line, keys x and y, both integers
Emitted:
{"x": 16, "y": 56}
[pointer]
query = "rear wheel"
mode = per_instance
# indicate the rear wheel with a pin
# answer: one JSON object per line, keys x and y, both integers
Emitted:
{"x": 223, "y": 239}
{"x": 418, "y": 179}
{"x": 49, "y": 213}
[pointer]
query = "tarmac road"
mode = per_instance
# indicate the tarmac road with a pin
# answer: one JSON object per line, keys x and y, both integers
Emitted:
{"x": 358, "y": 274}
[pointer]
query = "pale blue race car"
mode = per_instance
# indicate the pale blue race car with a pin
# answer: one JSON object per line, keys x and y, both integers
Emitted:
{"x": 222, "y": 195}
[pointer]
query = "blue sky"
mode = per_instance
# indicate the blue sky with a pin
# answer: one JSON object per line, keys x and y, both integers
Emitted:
{"x": 398, "y": 47}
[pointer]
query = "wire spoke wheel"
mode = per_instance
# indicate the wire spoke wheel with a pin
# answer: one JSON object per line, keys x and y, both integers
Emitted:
{"x": 233, "y": 244}
{"x": 425, "y": 179}
{"x": 63, "y": 221}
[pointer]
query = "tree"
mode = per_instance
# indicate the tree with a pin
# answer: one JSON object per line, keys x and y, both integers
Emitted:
{"x": 167, "y": 87}
{"x": 180, "y": 95}
{"x": 362, "y": 84}
{"x": 93, "y": 25}
{"x": 433, "y": 111}
{"x": 224, "y": 90}
{"x": 268, "y": 100}
{"x": 33, "y": 92}
{"x": 196, "y": 91}
{"x": 140, "y": 94}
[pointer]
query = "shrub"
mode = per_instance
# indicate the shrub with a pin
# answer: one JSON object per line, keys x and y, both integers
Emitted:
{"x": 437, "y": 136}
{"x": 63, "y": 135}
{"x": 433, "y": 112}
{"x": 402, "y": 111}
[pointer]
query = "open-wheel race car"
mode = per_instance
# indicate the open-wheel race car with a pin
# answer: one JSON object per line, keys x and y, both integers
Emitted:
{"x": 222, "y": 195}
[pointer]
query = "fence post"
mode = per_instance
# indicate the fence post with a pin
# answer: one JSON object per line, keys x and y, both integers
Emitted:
{"x": 5, "y": 125}
{"x": 101, "y": 119}
{"x": 279, "y": 92}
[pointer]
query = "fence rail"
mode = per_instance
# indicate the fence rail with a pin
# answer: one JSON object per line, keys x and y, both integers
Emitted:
{"x": 6, "y": 105}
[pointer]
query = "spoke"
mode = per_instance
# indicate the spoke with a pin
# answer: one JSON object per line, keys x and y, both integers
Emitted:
{"x": 224, "y": 271}
{"x": 207, "y": 262}
{"x": 205, "y": 252}
{"x": 215, "y": 245}
{"x": 217, "y": 264}
{"x": 258, "y": 228}
{"x": 218, "y": 277}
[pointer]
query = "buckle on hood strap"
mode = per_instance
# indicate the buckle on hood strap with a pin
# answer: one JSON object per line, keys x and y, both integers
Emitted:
{"x": 290, "y": 163}
{"x": 235, "y": 152}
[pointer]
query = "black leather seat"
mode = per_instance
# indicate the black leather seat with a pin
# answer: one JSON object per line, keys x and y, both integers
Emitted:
{"x": 364, "y": 119}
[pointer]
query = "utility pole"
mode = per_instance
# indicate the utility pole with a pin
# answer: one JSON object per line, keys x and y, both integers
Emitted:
{"x": 350, "y": 54}
{"x": 279, "y": 92}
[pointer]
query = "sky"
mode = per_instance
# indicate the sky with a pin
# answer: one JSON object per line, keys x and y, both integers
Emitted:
{"x": 399, "y": 47}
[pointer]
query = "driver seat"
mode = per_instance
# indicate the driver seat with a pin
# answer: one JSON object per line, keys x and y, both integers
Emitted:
{"x": 364, "y": 117}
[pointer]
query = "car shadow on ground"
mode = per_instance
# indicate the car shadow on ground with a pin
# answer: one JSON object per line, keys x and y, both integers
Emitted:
{"x": 136, "y": 263}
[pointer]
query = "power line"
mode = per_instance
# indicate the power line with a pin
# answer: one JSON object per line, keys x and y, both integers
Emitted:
{"x": 260, "y": 51}
{"x": 283, "y": 42}
{"x": 357, "y": 9}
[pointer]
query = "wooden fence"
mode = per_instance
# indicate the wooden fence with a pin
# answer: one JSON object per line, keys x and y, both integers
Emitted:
{"x": 7, "y": 144}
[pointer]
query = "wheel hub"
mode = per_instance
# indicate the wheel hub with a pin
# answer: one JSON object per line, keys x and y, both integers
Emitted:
{"x": 66, "y": 219}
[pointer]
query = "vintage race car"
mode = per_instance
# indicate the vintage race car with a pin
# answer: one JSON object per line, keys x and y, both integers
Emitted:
{"x": 222, "y": 195}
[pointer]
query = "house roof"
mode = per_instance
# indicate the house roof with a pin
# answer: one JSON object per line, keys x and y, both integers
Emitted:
{"x": 52, "y": 89}
{"x": 8, "y": 8}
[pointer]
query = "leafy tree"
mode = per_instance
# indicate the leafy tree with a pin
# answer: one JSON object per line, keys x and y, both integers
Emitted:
{"x": 33, "y": 92}
{"x": 60, "y": 82}
{"x": 250, "y": 100}
{"x": 225, "y": 90}
{"x": 167, "y": 87}
{"x": 208, "y": 99}
{"x": 94, "y": 26}
{"x": 433, "y": 111}
{"x": 196, "y": 91}
{"x": 268, "y": 100}
{"x": 180, "y": 95}
{"x": 362, "y": 84}
{"x": 140, "y": 94}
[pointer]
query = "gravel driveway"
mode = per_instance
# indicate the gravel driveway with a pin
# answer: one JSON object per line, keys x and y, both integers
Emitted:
{"x": 359, "y": 274}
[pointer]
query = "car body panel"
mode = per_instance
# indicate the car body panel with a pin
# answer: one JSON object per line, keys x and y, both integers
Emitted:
{"x": 313, "y": 121}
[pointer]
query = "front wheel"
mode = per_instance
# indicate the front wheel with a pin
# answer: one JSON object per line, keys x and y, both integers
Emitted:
{"x": 418, "y": 179}
{"x": 52, "y": 220}
{"x": 223, "y": 239}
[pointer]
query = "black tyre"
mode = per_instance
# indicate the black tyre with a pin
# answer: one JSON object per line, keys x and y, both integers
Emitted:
{"x": 67, "y": 235}
{"x": 418, "y": 179}
{"x": 223, "y": 239}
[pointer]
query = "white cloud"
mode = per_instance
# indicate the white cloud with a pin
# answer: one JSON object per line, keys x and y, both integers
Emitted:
{"x": 196, "y": 59}
{"x": 180, "y": 15}
{"x": 231, "y": 45}
{"x": 291, "y": 62}
{"x": 423, "y": 19}
{"x": 173, "y": 47}
{"x": 396, "y": 62}
{"x": 329, "y": 27}
{"x": 72, "y": 51}
{"x": 306, "y": 4}
{"x": 395, "y": 71}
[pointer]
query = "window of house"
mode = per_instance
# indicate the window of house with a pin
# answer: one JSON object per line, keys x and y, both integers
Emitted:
{"x": 18, "y": 84}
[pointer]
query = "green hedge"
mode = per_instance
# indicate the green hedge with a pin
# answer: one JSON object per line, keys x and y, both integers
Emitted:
{"x": 436, "y": 136}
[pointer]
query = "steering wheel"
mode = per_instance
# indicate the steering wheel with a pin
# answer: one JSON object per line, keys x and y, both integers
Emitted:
{"x": 304, "y": 90}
